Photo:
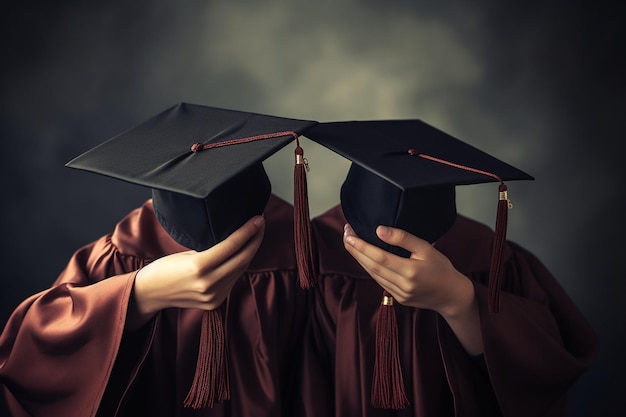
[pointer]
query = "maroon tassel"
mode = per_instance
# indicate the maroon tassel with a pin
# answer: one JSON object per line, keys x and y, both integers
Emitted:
{"x": 388, "y": 384}
{"x": 302, "y": 223}
{"x": 210, "y": 383}
{"x": 496, "y": 271}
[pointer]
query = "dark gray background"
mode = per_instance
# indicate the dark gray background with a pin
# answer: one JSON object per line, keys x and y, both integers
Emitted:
{"x": 538, "y": 85}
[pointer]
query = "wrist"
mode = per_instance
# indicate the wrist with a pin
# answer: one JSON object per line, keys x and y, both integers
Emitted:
{"x": 143, "y": 305}
{"x": 462, "y": 315}
{"x": 462, "y": 300}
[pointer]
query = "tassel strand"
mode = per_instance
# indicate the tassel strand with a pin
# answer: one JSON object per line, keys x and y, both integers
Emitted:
{"x": 302, "y": 223}
{"x": 210, "y": 383}
{"x": 387, "y": 383}
{"x": 496, "y": 271}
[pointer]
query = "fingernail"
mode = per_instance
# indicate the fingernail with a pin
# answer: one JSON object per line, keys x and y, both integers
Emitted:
{"x": 350, "y": 240}
{"x": 258, "y": 222}
{"x": 383, "y": 231}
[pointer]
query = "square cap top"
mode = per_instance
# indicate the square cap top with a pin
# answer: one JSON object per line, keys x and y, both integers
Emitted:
{"x": 404, "y": 173}
{"x": 157, "y": 153}
{"x": 388, "y": 148}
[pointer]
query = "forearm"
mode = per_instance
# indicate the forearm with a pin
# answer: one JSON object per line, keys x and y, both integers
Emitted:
{"x": 144, "y": 303}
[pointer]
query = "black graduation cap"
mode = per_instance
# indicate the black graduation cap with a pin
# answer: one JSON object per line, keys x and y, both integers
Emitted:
{"x": 199, "y": 197}
{"x": 403, "y": 174}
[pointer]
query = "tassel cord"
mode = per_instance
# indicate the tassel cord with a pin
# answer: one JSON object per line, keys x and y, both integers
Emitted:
{"x": 211, "y": 382}
{"x": 387, "y": 382}
{"x": 496, "y": 270}
{"x": 302, "y": 223}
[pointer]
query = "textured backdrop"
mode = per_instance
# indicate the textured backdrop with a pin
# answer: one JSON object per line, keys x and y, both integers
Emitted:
{"x": 539, "y": 86}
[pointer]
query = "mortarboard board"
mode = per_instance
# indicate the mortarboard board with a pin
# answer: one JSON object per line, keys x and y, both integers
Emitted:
{"x": 190, "y": 188}
{"x": 389, "y": 184}
{"x": 403, "y": 174}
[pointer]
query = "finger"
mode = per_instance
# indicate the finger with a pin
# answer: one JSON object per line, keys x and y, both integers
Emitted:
{"x": 219, "y": 281}
{"x": 397, "y": 265}
{"x": 380, "y": 264}
{"x": 224, "y": 250}
{"x": 386, "y": 281}
{"x": 401, "y": 238}
{"x": 380, "y": 273}
{"x": 233, "y": 267}
{"x": 239, "y": 261}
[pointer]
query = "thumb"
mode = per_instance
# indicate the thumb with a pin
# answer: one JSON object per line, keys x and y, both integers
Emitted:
{"x": 228, "y": 247}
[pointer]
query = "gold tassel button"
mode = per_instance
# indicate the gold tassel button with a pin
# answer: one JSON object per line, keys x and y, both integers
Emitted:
{"x": 504, "y": 196}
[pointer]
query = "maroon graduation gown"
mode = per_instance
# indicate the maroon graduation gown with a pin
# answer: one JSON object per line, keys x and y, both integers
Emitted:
{"x": 64, "y": 351}
{"x": 534, "y": 348}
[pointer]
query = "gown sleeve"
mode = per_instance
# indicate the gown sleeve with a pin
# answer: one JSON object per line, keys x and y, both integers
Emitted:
{"x": 535, "y": 348}
{"x": 59, "y": 346}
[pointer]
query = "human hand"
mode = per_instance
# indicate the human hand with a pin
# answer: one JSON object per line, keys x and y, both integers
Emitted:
{"x": 196, "y": 279}
{"x": 427, "y": 279}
